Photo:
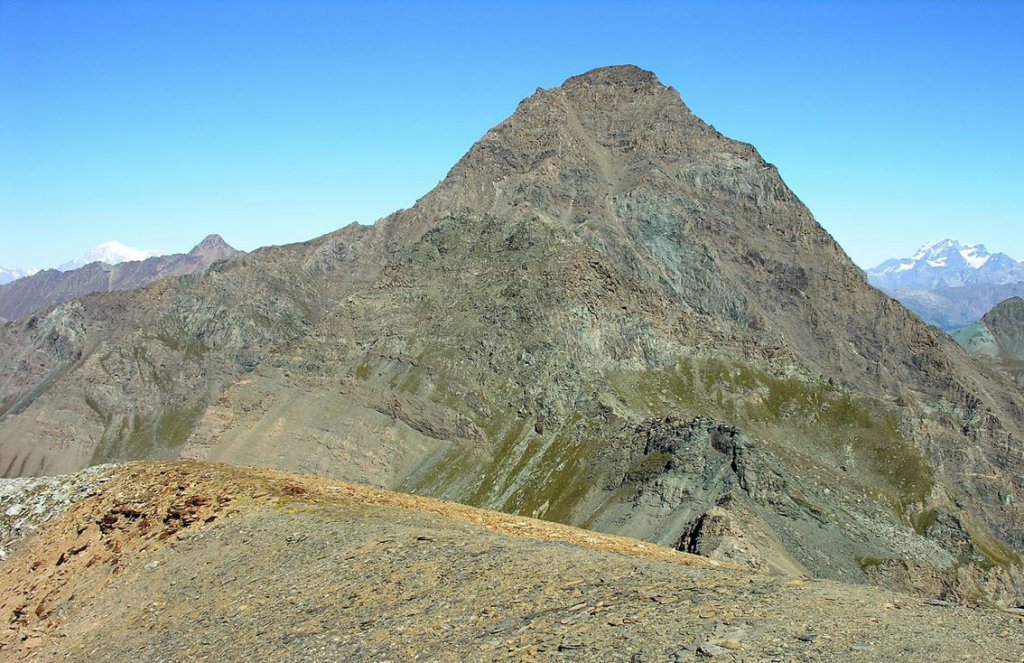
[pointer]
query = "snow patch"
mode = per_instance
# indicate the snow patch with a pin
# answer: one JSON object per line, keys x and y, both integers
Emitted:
{"x": 937, "y": 254}
{"x": 975, "y": 255}
{"x": 111, "y": 253}
{"x": 933, "y": 249}
{"x": 8, "y": 275}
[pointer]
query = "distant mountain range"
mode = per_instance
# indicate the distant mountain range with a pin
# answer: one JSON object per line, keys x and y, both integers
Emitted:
{"x": 116, "y": 267}
{"x": 111, "y": 253}
{"x": 8, "y": 275}
{"x": 950, "y": 284}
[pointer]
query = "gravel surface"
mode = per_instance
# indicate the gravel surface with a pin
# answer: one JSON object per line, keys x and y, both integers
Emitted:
{"x": 273, "y": 567}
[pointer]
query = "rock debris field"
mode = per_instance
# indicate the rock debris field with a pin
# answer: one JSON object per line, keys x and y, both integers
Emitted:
{"x": 196, "y": 562}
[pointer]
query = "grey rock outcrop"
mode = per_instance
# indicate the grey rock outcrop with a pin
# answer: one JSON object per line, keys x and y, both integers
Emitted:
{"x": 26, "y": 504}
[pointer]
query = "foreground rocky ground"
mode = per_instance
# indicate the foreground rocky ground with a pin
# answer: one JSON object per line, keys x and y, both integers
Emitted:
{"x": 194, "y": 562}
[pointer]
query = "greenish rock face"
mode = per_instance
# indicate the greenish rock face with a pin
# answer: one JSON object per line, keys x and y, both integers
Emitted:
{"x": 997, "y": 340}
{"x": 977, "y": 339}
{"x": 607, "y": 314}
{"x": 1006, "y": 324}
{"x": 648, "y": 453}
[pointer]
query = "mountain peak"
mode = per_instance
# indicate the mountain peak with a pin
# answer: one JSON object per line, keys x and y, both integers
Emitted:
{"x": 213, "y": 241}
{"x": 30, "y": 294}
{"x": 949, "y": 259}
{"x": 601, "y": 267}
{"x": 933, "y": 248}
{"x": 213, "y": 248}
{"x": 1011, "y": 308}
{"x": 623, "y": 75}
{"x": 13, "y": 274}
{"x": 949, "y": 283}
{"x": 568, "y": 152}
{"x": 938, "y": 253}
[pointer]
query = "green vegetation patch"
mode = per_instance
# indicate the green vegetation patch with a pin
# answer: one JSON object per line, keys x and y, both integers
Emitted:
{"x": 190, "y": 348}
{"x": 994, "y": 552}
{"x": 157, "y": 436}
{"x": 859, "y": 435}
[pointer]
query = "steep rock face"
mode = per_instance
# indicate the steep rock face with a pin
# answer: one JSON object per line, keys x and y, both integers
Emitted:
{"x": 710, "y": 480}
{"x": 600, "y": 259}
{"x": 32, "y": 293}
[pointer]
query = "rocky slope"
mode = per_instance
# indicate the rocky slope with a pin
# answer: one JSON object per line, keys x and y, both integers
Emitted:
{"x": 998, "y": 337}
{"x": 190, "y": 562}
{"x": 608, "y": 315}
{"x": 42, "y": 289}
{"x": 28, "y": 503}
{"x": 1006, "y": 324}
{"x": 950, "y": 284}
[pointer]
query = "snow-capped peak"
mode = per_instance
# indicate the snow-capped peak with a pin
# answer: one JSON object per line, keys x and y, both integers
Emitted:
{"x": 975, "y": 255}
{"x": 931, "y": 249}
{"x": 947, "y": 263}
{"x": 937, "y": 254}
{"x": 111, "y": 253}
{"x": 8, "y": 275}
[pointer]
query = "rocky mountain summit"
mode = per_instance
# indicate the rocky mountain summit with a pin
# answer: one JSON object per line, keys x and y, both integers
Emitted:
{"x": 29, "y": 294}
{"x": 950, "y": 284}
{"x": 607, "y": 315}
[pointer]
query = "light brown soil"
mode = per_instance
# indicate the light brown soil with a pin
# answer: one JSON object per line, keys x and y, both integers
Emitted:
{"x": 186, "y": 561}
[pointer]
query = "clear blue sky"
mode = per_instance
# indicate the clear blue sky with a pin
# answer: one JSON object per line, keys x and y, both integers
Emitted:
{"x": 155, "y": 123}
